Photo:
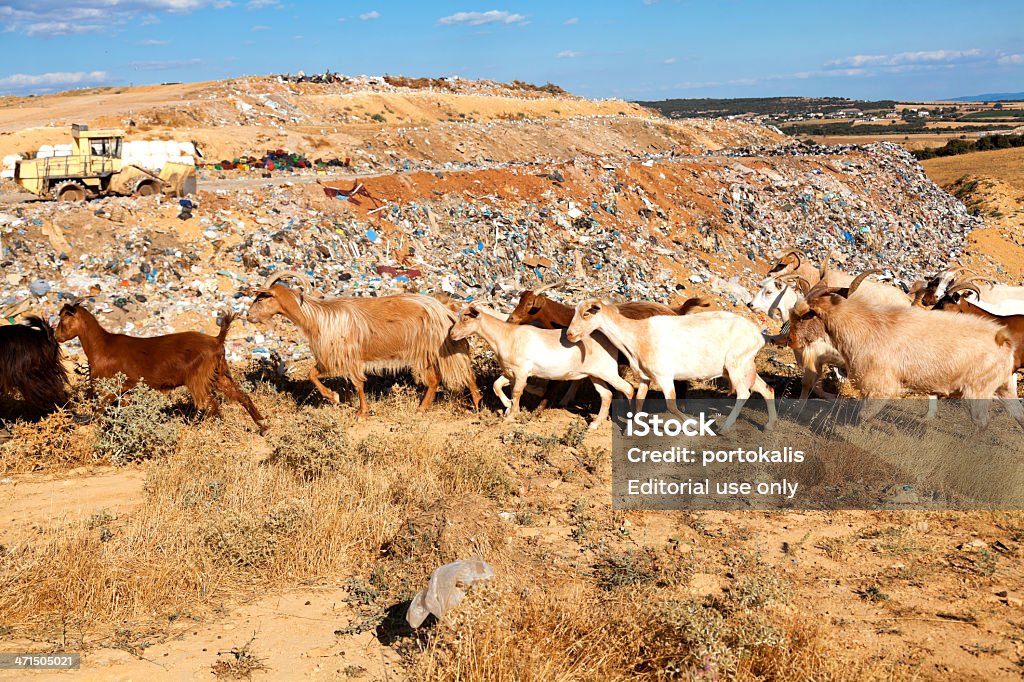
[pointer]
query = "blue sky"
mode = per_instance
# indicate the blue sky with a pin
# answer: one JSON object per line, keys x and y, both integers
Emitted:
{"x": 635, "y": 49}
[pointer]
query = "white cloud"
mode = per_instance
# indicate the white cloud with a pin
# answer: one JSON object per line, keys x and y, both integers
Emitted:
{"x": 263, "y": 4}
{"x": 153, "y": 42}
{"x": 60, "y": 28}
{"x": 23, "y": 82}
{"x": 572, "y": 22}
{"x": 567, "y": 54}
{"x": 260, "y": 27}
{"x": 669, "y": 60}
{"x": 369, "y": 16}
{"x": 70, "y": 17}
{"x": 928, "y": 56}
{"x": 480, "y": 18}
{"x": 1011, "y": 59}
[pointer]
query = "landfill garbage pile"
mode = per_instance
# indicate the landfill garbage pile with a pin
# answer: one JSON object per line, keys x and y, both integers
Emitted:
{"x": 660, "y": 230}
{"x": 276, "y": 160}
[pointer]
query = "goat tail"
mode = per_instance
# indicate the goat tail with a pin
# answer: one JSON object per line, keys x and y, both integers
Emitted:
{"x": 1004, "y": 338}
{"x": 225, "y": 324}
{"x": 692, "y": 304}
{"x": 456, "y": 364}
{"x": 454, "y": 360}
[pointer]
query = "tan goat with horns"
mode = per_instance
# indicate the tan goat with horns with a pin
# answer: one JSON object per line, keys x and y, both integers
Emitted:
{"x": 353, "y": 337}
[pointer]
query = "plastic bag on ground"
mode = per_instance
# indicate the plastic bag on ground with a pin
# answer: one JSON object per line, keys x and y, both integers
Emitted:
{"x": 447, "y": 587}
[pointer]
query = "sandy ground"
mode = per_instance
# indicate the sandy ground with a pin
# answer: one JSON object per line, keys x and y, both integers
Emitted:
{"x": 943, "y": 622}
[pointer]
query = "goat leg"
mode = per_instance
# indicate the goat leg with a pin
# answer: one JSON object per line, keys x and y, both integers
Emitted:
{"x": 430, "y": 374}
{"x": 499, "y": 384}
{"x": 314, "y": 376}
{"x": 606, "y": 402}
{"x": 230, "y": 389}
{"x": 641, "y": 395}
{"x": 364, "y": 408}
{"x": 519, "y": 384}
{"x": 474, "y": 392}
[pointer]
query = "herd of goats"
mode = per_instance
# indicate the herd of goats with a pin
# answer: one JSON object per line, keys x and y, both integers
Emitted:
{"x": 953, "y": 335}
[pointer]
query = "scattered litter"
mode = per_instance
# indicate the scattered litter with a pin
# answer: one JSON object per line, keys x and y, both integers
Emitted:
{"x": 447, "y": 587}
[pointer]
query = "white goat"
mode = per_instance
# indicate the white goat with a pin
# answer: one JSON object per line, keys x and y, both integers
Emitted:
{"x": 998, "y": 299}
{"x": 664, "y": 348}
{"x": 525, "y": 351}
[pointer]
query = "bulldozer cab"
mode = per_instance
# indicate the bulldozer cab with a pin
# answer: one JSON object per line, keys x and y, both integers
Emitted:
{"x": 104, "y": 144}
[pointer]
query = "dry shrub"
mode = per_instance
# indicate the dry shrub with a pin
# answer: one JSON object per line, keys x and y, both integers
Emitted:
{"x": 646, "y": 566}
{"x": 575, "y": 633}
{"x": 134, "y": 424}
{"x": 55, "y": 441}
{"x": 310, "y": 443}
{"x": 249, "y": 541}
{"x": 243, "y": 662}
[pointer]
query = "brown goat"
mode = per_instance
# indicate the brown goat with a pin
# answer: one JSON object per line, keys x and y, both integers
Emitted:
{"x": 30, "y": 363}
{"x": 955, "y": 301}
{"x": 351, "y": 337}
{"x": 188, "y": 359}
{"x": 535, "y": 307}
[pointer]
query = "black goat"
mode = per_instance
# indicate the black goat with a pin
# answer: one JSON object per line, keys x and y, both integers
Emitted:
{"x": 30, "y": 362}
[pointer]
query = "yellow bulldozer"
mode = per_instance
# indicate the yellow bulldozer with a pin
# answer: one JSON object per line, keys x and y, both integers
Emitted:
{"x": 95, "y": 168}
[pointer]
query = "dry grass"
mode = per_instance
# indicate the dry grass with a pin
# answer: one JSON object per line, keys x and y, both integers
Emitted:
{"x": 1004, "y": 164}
{"x": 377, "y": 506}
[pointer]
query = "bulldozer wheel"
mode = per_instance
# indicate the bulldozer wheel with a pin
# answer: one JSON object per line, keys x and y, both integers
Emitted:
{"x": 146, "y": 189}
{"x": 69, "y": 191}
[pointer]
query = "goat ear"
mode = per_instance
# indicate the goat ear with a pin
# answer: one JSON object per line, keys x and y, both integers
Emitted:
{"x": 472, "y": 312}
{"x": 594, "y": 308}
{"x": 801, "y": 308}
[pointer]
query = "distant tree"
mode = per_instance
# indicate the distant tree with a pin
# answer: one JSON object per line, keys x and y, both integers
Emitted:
{"x": 998, "y": 105}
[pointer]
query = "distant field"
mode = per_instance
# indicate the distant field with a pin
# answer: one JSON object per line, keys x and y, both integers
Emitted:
{"x": 1004, "y": 164}
{"x": 909, "y": 142}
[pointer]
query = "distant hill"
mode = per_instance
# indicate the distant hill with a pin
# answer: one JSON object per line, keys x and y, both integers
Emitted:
{"x": 992, "y": 97}
{"x": 771, "y": 106}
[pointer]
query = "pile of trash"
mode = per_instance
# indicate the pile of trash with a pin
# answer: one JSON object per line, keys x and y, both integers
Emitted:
{"x": 626, "y": 230}
{"x": 276, "y": 160}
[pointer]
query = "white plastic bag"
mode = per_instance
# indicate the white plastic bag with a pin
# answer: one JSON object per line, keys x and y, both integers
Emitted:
{"x": 447, "y": 587}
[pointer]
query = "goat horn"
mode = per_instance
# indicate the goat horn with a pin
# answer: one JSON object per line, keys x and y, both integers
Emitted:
{"x": 303, "y": 280}
{"x": 823, "y": 268}
{"x": 799, "y": 253}
{"x": 855, "y": 284}
{"x": 965, "y": 286}
{"x": 916, "y": 293}
{"x": 78, "y": 300}
{"x": 819, "y": 292}
{"x": 979, "y": 278}
{"x": 544, "y": 287}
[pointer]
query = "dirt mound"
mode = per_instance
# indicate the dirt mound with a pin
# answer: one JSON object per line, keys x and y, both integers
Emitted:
{"x": 379, "y": 121}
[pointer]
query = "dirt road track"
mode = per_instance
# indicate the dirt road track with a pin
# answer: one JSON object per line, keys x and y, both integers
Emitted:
{"x": 27, "y": 501}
